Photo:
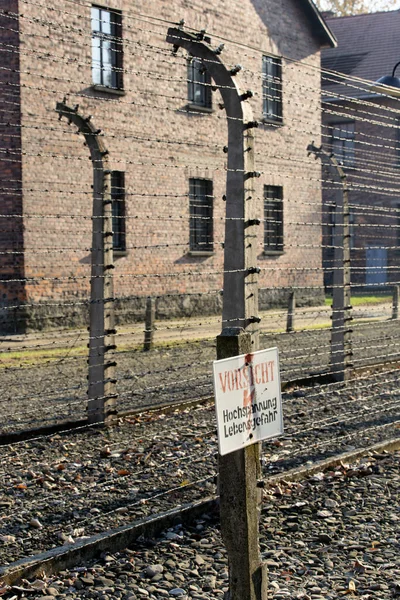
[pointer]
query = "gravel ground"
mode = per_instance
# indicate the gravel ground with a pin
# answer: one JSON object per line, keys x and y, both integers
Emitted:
{"x": 59, "y": 488}
{"x": 54, "y": 391}
{"x": 330, "y": 536}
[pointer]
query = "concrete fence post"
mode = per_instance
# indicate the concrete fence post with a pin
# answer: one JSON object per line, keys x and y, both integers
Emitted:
{"x": 108, "y": 406}
{"x": 238, "y": 471}
{"x": 341, "y": 299}
{"x": 101, "y": 382}
{"x": 291, "y": 310}
{"x": 149, "y": 325}
{"x": 341, "y": 338}
{"x": 395, "y": 302}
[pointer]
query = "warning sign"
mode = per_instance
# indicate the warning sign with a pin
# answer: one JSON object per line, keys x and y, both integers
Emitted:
{"x": 248, "y": 399}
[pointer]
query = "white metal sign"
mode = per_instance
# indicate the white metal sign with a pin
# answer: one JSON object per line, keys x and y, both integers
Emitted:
{"x": 248, "y": 399}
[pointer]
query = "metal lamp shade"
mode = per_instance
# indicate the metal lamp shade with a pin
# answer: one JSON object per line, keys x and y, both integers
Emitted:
{"x": 388, "y": 85}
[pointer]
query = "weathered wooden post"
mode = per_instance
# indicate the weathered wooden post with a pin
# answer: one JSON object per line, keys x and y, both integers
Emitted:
{"x": 101, "y": 388}
{"x": 395, "y": 302}
{"x": 239, "y": 471}
{"x": 341, "y": 349}
{"x": 290, "y": 314}
{"x": 149, "y": 324}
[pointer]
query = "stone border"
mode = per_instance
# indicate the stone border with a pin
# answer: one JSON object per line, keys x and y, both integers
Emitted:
{"x": 65, "y": 557}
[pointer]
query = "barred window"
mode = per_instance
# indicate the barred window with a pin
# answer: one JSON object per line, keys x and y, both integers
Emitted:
{"x": 343, "y": 143}
{"x": 201, "y": 215}
{"x": 272, "y": 88}
{"x": 273, "y": 218}
{"x": 118, "y": 210}
{"x": 107, "y": 47}
{"x": 199, "y": 84}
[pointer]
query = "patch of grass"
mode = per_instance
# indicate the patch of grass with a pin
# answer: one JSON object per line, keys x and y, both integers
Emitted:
{"x": 317, "y": 326}
{"x": 43, "y": 356}
{"x": 360, "y": 299}
{"x": 28, "y": 358}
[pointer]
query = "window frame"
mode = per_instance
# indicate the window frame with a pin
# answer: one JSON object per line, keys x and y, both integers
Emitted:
{"x": 118, "y": 209}
{"x": 201, "y": 207}
{"x": 342, "y": 151}
{"x": 199, "y": 80}
{"x": 272, "y": 89}
{"x": 114, "y": 39}
{"x": 273, "y": 195}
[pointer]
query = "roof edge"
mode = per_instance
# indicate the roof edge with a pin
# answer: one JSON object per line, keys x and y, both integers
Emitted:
{"x": 323, "y": 32}
{"x": 366, "y": 14}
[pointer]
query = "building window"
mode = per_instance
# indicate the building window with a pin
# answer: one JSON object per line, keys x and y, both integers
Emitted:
{"x": 107, "y": 47}
{"x": 273, "y": 218}
{"x": 201, "y": 215}
{"x": 343, "y": 143}
{"x": 199, "y": 84}
{"x": 272, "y": 88}
{"x": 118, "y": 210}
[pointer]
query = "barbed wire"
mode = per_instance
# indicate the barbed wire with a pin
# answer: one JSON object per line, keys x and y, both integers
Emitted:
{"x": 154, "y": 199}
{"x": 137, "y": 16}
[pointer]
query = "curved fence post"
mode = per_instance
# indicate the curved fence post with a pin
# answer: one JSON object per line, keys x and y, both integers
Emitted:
{"x": 240, "y": 470}
{"x": 101, "y": 386}
{"x": 341, "y": 338}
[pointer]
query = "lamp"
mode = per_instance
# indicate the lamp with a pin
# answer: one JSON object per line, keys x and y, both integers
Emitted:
{"x": 388, "y": 84}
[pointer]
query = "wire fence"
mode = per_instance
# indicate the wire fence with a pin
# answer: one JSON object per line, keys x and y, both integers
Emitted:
{"x": 86, "y": 241}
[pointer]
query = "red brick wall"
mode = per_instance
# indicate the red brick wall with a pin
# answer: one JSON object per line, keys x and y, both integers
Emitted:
{"x": 175, "y": 145}
{"x": 11, "y": 224}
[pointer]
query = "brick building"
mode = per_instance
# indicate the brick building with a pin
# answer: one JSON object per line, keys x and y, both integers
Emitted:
{"x": 165, "y": 135}
{"x": 361, "y": 128}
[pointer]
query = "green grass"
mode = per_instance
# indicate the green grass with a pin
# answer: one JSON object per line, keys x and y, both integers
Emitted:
{"x": 360, "y": 299}
{"x": 27, "y": 358}
{"x": 42, "y": 356}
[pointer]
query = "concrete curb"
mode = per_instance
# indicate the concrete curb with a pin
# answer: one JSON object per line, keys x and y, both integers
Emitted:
{"x": 64, "y": 557}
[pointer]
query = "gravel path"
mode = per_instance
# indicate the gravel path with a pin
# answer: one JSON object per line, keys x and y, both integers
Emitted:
{"x": 331, "y": 536}
{"x": 60, "y": 488}
{"x": 57, "y": 489}
{"x": 54, "y": 391}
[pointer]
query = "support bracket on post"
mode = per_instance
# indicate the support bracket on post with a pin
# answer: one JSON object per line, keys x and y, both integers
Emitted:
{"x": 101, "y": 388}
